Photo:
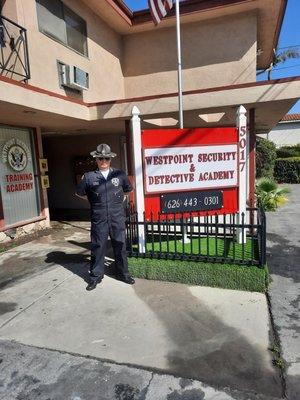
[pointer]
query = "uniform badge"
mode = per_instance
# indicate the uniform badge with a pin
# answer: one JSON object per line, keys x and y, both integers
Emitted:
{"x": 115, "y": 181}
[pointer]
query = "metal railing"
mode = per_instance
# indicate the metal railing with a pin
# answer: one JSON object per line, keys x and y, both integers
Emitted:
{"x": 210, "y": 238}
{"x": 262, "y": 236}
{"x": 14, "y": 59}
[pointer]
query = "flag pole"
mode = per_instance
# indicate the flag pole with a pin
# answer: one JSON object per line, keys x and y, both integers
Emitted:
{"x": 179, "y": 65}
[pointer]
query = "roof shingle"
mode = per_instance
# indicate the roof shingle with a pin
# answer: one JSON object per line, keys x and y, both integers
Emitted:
{"x": 291, "y": 117}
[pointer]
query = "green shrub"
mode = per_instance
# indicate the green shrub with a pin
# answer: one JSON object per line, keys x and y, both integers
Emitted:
{"x": 265, "y": 158}
{"x": 269, "y": 195}
{"x": 287, "y": 170}
{"x": 288, "y": 151}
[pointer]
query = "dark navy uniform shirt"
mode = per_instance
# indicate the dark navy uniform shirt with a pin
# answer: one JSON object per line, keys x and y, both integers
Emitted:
{"x": 106, "y": 195}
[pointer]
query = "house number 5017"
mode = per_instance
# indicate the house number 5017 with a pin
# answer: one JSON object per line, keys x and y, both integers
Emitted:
{"x": 242, "y": 147}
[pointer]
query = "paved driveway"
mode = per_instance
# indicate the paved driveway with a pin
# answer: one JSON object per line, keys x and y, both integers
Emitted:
{"x": 283, "y": 244}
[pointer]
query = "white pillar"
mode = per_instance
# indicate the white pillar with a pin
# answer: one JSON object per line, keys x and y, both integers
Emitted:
{"x": 179, "y": 69}
{"x": 138, "y": 172}
{"x": 241, "y": 123}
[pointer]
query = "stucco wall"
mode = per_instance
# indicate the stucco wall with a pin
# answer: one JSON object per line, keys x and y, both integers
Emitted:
{"x": 285, "y": 134}
{"x": 60, "y": 152}
{"x": 9, "y": 9}
{"x": 214, "y": 53}
{"x": 104, "y": 53}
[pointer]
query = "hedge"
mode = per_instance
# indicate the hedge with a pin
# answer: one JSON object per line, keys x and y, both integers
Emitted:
{"x": 265, "y": 158}
{"x": 238, "y": 277}
{"x": 288, "y": 151}
{"x": 287, "y": 170}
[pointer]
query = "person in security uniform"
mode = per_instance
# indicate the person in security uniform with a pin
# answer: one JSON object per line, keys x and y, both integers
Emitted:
{"x": 104, "y": 188}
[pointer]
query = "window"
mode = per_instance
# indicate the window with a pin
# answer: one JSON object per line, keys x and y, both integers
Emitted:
{"x": 60, "y": 22}
{"x": 18, "y": 175}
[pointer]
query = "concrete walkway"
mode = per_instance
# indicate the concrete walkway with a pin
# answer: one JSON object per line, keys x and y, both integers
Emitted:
{"x": 214, "y": 341}
{"x": 283, "y": 246}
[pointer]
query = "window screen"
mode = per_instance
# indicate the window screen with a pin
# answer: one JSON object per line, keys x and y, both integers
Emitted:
{"x": 76, "y": 31}
{"x": 50, "y": 17}
{"x": 59, "y": 21}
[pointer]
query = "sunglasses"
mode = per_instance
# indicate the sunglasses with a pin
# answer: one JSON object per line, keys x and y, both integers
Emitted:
{"x": 103, "y": 158}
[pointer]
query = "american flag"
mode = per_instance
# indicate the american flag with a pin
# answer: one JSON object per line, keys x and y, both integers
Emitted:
{"x": 159, "y": 9}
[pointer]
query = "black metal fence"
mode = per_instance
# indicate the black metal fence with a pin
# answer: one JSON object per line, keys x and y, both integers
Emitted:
{"x": 14, "y": 59}
{"x": 211, "y": 238}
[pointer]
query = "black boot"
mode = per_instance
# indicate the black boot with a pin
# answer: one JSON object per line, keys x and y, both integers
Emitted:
{"x": 93, "y": 283}
{"x": 126, "y": 279}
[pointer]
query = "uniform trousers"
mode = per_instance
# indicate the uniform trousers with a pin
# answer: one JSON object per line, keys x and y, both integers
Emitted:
{"x": 99, "y": 237}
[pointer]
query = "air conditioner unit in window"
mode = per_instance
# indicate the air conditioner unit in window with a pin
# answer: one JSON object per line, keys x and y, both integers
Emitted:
{"x": 73, "y": 77}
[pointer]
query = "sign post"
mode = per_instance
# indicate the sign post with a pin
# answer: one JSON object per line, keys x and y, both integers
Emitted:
{"x": 138, "y": 171}
{"x": 241, "y": 123}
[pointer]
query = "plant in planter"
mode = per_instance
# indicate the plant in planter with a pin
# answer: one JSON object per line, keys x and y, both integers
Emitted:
{"x": 269, "y": 195}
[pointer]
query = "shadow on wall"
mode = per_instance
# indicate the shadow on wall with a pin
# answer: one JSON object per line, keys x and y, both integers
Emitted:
{"x": 202, "y": 44}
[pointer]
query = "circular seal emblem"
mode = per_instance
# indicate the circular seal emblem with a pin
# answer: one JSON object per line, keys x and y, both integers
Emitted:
{"x": 16, "y": 154}
{"x": 115, "y": 181}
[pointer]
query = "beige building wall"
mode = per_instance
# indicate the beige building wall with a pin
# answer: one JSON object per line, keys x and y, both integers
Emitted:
{"x": 285, "y": 134}
{"x": 214, "y": 53}
{"x": 104, "y": 52}
{"x": 9, "y": 9}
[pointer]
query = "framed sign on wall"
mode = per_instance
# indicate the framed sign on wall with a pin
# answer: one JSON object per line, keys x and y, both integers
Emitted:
{"x": 45, "y": 181}
{"x": 190, "y": 170}
{"x": 43, "y": 164}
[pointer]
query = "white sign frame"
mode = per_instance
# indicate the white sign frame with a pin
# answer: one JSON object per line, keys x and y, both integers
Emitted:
{"x": 188, "y": 185}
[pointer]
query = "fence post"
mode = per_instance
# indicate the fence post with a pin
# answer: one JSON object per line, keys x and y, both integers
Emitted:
{"x": 241, "y": 123}
{"x": 138, "y": 172}
{"x": 263, "y": 238}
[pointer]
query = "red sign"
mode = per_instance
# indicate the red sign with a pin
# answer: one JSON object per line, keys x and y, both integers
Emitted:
{"x": 190, "y": 160}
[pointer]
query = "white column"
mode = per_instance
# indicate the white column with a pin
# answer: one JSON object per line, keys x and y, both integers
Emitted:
{"x": 241, "y": 123}
{"x": 179, "y": 72}
{"x": 138, "y": 172}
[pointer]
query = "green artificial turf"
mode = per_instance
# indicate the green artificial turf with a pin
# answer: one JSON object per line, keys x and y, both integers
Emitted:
{"x": 205, "y": 246}
{"x": 227, "y": 276}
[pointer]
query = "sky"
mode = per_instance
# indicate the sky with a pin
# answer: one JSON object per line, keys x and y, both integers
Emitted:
{"x": 289, "y": 38}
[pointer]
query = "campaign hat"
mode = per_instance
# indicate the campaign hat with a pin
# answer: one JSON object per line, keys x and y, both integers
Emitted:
{"x": 103, "y": 150}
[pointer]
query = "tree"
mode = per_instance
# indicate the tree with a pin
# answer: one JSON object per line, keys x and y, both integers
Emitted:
{"x": 280, "y": 58}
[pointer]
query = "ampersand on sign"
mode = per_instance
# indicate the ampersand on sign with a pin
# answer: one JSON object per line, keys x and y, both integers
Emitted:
{"x": 192, "y": 168}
